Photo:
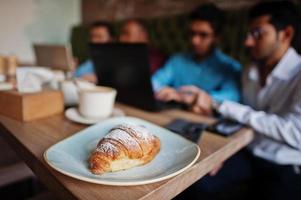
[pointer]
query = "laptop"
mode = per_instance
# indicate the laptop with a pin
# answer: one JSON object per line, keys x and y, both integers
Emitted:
{"x": 125, "y": 67}
{"x": 53, "y": 56}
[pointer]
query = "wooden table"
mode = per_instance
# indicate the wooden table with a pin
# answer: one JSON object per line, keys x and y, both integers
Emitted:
{"x": 31, "y": 139}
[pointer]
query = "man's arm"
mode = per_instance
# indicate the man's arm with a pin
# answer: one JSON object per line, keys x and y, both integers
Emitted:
{"x": 84, "y": 68}
{"x": 163, "y": 80}
{"x": 285, "y": 128}
{"x": 164, "y": 76}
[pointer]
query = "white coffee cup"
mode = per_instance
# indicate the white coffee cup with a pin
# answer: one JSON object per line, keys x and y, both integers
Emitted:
{"x": 97, "y": 102}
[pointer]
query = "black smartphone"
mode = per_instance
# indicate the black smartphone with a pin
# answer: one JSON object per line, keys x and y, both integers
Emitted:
{"x": 173, "y": 104}
{"x": 225, "y": 127}
{"x": 189, "y": 130}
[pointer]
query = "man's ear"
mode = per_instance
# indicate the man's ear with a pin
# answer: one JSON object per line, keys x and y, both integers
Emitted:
{"x": 288, "y": 34}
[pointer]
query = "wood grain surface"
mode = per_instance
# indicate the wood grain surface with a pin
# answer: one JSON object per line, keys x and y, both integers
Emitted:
{"x": 31, "y": 139}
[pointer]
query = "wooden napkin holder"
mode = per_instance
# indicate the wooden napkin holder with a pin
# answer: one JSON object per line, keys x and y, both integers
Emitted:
{"x": 30, "y": 106}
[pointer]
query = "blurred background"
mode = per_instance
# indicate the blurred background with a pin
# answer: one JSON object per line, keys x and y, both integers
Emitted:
{"x": 56, "y": 21}
{"x": 25, "y": 22}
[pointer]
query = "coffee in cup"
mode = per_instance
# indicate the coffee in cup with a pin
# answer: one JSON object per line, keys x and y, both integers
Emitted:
{"x": 97, "y": 102}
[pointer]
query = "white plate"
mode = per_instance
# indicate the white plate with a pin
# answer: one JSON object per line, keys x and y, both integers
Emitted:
{"x": 70, "y": 156}
{"x": 73, "y": 115}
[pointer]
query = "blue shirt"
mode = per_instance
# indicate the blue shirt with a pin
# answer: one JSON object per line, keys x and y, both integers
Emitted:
{"x": 218, "y": 75}
{"x": 86, "y": 67}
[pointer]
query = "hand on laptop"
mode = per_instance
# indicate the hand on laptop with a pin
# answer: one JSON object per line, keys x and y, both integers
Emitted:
{"x": 189, "y": 94}
{"x": 74, "y": 64}
{"x": 90, "y": 77}
{"x": 168, "y": 94}
{"x": 199, "y": 100}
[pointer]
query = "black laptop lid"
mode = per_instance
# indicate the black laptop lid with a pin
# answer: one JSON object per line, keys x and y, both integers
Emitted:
{"x": 125, "y": 67}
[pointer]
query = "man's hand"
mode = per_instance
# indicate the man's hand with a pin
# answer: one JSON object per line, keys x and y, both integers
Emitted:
{"x": 168, "y": 94}
{"x": 203, "y": 104}
{"x": 189, "y": 94}
{"x": 74, "y": 64}
{"x": 198, "y": 99}
{"x": 90, "y": 77}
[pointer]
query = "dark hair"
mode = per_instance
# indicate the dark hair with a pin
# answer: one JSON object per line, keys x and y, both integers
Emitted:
{"x": 282, "y": 14}
{"x": 107, "y": 25}
{"x": 210, "y": 13}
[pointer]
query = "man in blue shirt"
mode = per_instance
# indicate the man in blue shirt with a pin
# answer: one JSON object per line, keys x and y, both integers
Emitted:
{"x": 203, "y": 68}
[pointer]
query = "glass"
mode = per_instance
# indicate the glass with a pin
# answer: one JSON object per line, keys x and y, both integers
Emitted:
{"x": 256, "y": 33}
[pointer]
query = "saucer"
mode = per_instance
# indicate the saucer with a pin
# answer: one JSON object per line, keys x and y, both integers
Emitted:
{"x": 73, "y": 115}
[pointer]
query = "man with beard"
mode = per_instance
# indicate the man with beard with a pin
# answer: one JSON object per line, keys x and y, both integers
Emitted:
{"x": 272, "y": 98}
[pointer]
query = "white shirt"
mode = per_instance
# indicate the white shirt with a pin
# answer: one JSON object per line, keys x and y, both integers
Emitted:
{"x": 273, "y": 111}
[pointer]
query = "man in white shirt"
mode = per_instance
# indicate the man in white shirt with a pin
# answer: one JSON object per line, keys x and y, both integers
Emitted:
{"x": 272, "y": 107}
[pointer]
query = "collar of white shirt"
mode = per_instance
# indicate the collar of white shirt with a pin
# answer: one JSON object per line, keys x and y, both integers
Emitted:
{"x": 285, "y": 69}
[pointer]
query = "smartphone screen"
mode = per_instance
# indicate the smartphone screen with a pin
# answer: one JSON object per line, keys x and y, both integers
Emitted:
{"x": 189, "y": 130}
{"x": 225, "y": 127}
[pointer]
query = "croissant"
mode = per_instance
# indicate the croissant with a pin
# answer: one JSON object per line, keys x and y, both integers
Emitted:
{"x": 124, "y": 147}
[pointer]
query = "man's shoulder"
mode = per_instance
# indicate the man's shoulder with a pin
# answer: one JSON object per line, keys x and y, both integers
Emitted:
{"x": 228, "y": 61}
{"x": 181, "y": 57}
{"x": 86, "y": 63}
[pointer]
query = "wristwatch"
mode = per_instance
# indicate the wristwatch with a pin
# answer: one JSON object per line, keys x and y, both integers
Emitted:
{"x": 215, "y": 109}
{"x": 215, "y": 105}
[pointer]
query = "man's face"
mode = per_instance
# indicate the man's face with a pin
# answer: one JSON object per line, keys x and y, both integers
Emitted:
{"x": 100, "y": 35}
{"x": 131, "y": 32}
{"x": 262, "y": 39}
{"x": 202, "y": 37}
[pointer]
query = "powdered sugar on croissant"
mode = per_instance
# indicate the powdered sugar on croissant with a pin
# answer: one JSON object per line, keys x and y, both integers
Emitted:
{"x": 125, "y": 146}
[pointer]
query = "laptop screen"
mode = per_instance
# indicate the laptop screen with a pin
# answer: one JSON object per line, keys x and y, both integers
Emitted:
{"x": 53, "y": 56}
{"x": 125, "y": 67}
